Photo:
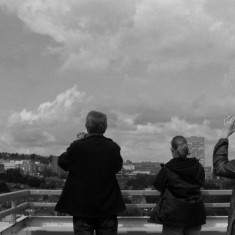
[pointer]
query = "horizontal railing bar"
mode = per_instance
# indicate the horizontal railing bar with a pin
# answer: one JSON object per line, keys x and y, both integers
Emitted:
{"x": 51, "y": 204}
{"x": 42, "y": 204}
{"x": 134, "y": 192}
{"x": 14, "y": 195}
{"x": 217, "y": 204}
{"x": 124, "y": 192}
{"x": 45, "y": 192}
{"x": 136, "y": 205}
{"x": 221, "y": 192}
{"x": 33, "y": 192}
{"x": 140, "y": 193}
{"x": 9, "y": 211}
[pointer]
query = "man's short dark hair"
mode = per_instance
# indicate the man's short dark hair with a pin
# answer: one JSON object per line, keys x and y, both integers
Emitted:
{"x": 96, "y": 122}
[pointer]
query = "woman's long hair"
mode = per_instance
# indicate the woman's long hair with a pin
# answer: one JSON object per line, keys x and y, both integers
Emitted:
{"x": 179, "y": 147}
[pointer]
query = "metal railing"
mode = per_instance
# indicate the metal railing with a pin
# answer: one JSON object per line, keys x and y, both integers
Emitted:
{"x": 15, "y": 208}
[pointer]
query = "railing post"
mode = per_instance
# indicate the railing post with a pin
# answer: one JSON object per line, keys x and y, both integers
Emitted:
{"x": 13, "y": 206}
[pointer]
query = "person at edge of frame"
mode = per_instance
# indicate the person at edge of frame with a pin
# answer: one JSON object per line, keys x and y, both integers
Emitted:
{"x": 180, "y": 208}
{"x": 224, "y": 167}
{"x": 91, "y": 193}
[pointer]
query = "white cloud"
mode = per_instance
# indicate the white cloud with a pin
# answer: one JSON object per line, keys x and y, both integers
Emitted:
{"x": 55, "y": 111}
{"x": 171, "y": 65}
{"x": 102, "y": 34}
{"x": 178, "y": 126}
{"x": 151, "y": 141}
{"x": 121, "y": 120}
{"x": 88, "y": 30}
{"x": 213, "y": 107}
{"x": 165, "y": 62}
{"x": 229, "y": 79}
{"x": 84, "y": 61}
{"x": 51, "y": 127}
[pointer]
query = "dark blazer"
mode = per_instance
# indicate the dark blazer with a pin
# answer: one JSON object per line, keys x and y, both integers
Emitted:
{"x": 223, "y": 167}
{"x": 179, "y": 182}
{"x": 91, "y": 189}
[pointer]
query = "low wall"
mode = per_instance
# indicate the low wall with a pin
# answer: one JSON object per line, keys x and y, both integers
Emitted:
{"x": 62, "y": 225}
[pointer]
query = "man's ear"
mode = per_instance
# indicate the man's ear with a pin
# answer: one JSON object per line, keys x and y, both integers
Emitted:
{"x": 173, "y": 153}
{"x": 86, "y": 128}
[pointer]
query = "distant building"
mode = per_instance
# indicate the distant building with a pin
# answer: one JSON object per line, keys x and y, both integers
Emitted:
{"x": 9, "y": 165}
{"x": 208, "y": 173}
{"x": 40, "y": 167}
{"x": 25, "y": 166}
{"x": 54, "y": 166}
{"x": 197, "y": 148}
{"x": 152, "y": 167}
{"x": 1, "y": 168}
{"x": 28, "y": 167}
{"x": 128, "y": 167}
{"x": 141, "y": 172}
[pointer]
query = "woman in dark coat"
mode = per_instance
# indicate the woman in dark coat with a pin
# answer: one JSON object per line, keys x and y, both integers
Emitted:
{"x": 180, "y": 209}
{"x": 223, "y": 167}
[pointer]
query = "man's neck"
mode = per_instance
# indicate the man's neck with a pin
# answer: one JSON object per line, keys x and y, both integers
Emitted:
{"x": 93, "y": 134}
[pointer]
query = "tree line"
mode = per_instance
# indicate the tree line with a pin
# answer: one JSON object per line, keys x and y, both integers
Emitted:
{"x": 18, "y": 157}
{"x": 15, "y": 176}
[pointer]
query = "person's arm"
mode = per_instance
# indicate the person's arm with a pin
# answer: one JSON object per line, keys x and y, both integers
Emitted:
{"x": 221, "y": 165}
{"x": 160, "y": 180}
{"x": 65, "y": 158}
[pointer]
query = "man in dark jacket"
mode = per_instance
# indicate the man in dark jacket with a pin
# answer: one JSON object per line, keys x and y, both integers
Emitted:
{"x": 180, "y": 209}
{"x": 91, "y": 193}
{"x": 225, "y": 168}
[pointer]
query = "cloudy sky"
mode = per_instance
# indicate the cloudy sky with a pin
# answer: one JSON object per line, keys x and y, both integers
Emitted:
{"x": 158, "y": 68}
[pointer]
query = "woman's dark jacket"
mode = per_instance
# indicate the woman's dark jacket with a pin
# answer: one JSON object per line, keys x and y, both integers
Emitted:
{"x": 91, "y": 189}
{"x": 225, "y": 168}
{"x": 179, "y": 182}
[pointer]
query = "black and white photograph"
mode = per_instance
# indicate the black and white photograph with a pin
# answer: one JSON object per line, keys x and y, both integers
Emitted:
{"x": 117, "y": 117}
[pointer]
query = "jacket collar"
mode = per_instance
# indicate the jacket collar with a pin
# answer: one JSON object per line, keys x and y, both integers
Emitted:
{"x": 95, "y": 135}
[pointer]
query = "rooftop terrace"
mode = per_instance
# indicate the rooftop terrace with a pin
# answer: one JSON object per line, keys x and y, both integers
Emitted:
{"x": 22, "y": 220}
